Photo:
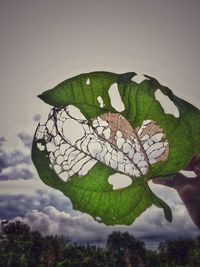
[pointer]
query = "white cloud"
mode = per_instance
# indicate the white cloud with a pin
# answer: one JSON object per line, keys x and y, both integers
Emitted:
{"x": 81, "y": 228}
{"x": 15, "y": 163}
{"x": 17, "y": 172}
{"x": 20, "y": 171}
{"x": 12, "y": 205}
{"x": 149, "y": 227}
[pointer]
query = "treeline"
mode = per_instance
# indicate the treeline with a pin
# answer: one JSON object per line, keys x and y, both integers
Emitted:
{"x": 20, "y": 247}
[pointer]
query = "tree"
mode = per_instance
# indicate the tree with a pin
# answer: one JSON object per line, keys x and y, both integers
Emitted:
{"x": 14, "y": 242}
{"x": 21, "y": 247}
{"x": 152, "y": 259}
{"x": 194, "y": 254}
{"x": 53, "y": 250}
{"x": 176, "y": 251}
{"x": 125, "y": 250}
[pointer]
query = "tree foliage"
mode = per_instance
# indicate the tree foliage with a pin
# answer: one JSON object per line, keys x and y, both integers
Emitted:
{"x": 21, "y": 247}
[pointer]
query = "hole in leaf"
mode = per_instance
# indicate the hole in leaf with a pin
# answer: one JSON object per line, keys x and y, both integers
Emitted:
{"x": 88, "y": 81}
{"x": 40, "y": 146}
{"x": 75, "y": 112}
{"x": 51, "y": 147}
{"x": 139, "y": 78}
{"x": 94, "y": 148}
{"x": 189, "y": 174}
{"x": 168, "y": 105}
{"x": 119, "y": 181}
{"x": 72, "y": 130}
{"x": 87, "y": 166}
{"x": 57, "y": 168}
{"x": 115, "y": 98}
{"x": 100, "y": 100}
{"x": 64, "y": 176}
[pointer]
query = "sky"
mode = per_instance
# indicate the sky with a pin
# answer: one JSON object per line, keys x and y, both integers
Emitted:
{"x": 46, "y": 42}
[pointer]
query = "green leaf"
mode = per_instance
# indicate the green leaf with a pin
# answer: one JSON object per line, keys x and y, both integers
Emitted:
{"x": 92, "y": 192}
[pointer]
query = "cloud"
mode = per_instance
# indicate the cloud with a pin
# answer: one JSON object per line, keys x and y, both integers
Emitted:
{"x": 26, "y": 139}
{"x": 8, "y": 159}
{"x": 16, "y": 172}
{"x": 51, "y": 213}
{"x": 152, "y": 228}
{"x": 12, "y": 205}
{"x": 81, "y": 228}
{"x": 15, "y": 163}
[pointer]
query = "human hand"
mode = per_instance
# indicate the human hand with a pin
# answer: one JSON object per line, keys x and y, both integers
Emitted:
{"x": 187, "y": 188}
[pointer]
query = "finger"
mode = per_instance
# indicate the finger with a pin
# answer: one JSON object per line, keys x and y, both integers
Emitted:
{"x": 193, "y": 163}
{"x": 197, "y": 170}
{"x": 166, "y": 182}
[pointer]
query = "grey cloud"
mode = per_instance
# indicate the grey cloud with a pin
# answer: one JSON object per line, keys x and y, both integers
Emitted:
{"x": 51, "y": 213}
{"x": 150, "y": 227}
{"x": 15, "y": 173}
{"x": 12, "y": 205}
{"x": 15, "y": 164}
{"x": 80, "y": 228}
{"x": 13, "y": 158}
{"x": 26, "y": 139}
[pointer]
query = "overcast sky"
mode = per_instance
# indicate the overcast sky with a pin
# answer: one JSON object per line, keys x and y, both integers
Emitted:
{"x": 45, "y": 42}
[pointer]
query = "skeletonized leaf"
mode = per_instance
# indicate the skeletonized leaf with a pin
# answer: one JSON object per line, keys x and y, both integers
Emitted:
{"x": 109, "y": 139}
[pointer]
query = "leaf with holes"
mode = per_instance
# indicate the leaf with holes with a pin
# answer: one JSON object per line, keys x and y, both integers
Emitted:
{"x": 103, "y": 125}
